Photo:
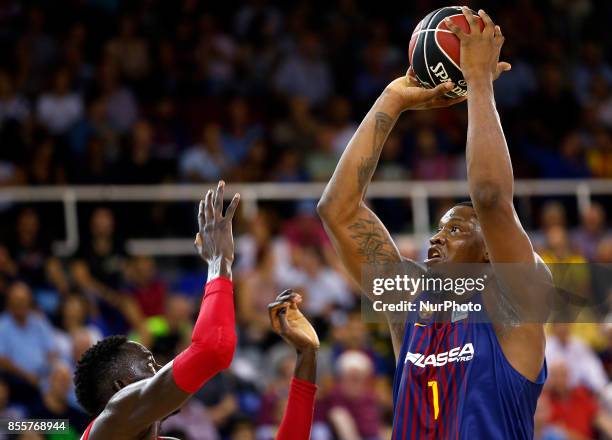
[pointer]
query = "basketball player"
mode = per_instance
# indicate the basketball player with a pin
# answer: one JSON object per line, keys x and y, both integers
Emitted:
{"x": 119, "y": 383}
{"x": 489, "y": 392}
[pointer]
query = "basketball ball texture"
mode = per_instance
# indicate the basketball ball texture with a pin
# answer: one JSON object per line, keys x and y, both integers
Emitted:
{"x": 434, "y": 51}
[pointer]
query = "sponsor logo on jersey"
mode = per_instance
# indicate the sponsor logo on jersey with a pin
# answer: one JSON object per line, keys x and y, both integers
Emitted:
{"x": 458, "y": 354}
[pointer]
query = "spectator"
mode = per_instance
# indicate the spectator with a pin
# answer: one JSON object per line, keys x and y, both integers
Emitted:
{"x": 192, "y": 423}
{"x": 552, "y": 214}
{"x": 321, "y": 161}
{"x": 121, "y": 105}
{"x": 351, "y": 406}
{"x": 8, "y": 411}
{"x": 600, "y": 155}
{"x": 343, "y": 129}
{"x": 74, "y": 312}
{"x": 591, "y": 65}
{"x": 130, "y": 52}
{"x": 171, "y": 332}
{"x": 145, "y": 286}
{"x": 240, "y": 135}
{"x": 591, "y": 232}
{"x": 323, "y": 287}
{"x": 562, "y": 346}
{"x": 31, "y": 254}
{"x": 429, "y": 162}
{"x": 204, "y": 161}
{"x": 304, "y": 73}
{"x": 298, "y": 130}
{"x": 98, "y": 271}
{"x": 13, "y": 106}
{"x": 558, "y": 248}
{"x": 574, "y": 410}
{"x": 95, "y": 125}
{"x": 54, "y": 403}
{"x": 26, "y": 345}
{"x": 59, "y": 109}
{"x": 138, "y": 165}
{"x": 258, "y": 288}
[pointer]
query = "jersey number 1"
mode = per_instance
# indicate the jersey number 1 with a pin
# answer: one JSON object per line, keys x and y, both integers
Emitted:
{"x": 436, "y": 403}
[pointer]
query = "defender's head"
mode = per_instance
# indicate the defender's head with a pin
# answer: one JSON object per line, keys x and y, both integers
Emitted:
{"x": 107, "y": 367}
{"x": 458, "y": 239}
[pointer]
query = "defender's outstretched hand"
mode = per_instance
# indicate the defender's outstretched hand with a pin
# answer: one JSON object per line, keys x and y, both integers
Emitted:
{"x": 479, "y": 50}
{"x": 288, "y": 321}
{"x": 214, "y": 241}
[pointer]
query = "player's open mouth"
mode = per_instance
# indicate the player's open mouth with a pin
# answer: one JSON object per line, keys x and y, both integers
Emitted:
{"x": 433, "y": 256}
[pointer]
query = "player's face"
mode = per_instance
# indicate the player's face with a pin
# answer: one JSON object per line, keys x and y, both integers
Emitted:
{"x": 458, "y": 239}
{"x": 143, "y": 365}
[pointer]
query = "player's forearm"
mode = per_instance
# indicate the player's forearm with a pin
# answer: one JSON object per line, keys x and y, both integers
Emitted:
{"x": 306, "y": 366}
{"x": 297, "y": 420}
{"x": 489, "y": 168}
{"x": 213, "y": 340}
{"x": 347, "y": 187}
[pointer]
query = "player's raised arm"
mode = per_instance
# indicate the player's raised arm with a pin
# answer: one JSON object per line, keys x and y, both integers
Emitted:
{"x": 489, "y": 169}
{"x": 137, "y": 406}
{"x": 288, "y": 322}
{"x": 490, "y": 181}
{"x": 356, "y": 232}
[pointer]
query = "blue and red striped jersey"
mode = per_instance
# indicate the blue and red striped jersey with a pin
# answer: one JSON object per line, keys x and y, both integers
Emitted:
{"x": 454, "y": 382}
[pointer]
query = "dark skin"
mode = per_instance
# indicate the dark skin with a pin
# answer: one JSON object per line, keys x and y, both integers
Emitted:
{"x": 491, "y": 232}
{"x": 291, "y": 325}
{"x": 357, "y": 234}
{"x": 147, "y": 392}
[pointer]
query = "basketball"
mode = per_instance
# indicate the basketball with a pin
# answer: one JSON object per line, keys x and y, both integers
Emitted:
{"x": 434, "y": 51}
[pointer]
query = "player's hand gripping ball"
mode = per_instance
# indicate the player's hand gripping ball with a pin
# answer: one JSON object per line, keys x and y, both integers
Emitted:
{"x": 434, "y": 50}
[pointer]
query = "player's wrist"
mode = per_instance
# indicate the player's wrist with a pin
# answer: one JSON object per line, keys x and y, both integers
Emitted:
{"x": 220, "y": 266}
{"x": 390, "y": 102}
{"x": 478, "y": 79}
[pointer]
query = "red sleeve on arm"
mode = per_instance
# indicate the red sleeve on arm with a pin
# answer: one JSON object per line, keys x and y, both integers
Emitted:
{"x": 297, "y": 421}
{"x": 213, "y": 340}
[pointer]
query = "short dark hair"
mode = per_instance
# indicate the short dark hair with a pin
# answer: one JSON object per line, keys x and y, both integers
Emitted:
{"x": 95, "y": 373}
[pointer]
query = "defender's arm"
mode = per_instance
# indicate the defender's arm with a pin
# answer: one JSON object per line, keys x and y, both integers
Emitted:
{"x": 137, "y": 406}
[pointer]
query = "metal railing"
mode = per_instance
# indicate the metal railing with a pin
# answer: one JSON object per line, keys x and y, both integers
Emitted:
{"x": 419, "y": 192}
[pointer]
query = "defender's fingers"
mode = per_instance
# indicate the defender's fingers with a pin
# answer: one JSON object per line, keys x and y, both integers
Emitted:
{"x": 201, "y": 218}
{"x": 231, "y": 209}
{"x": 198, "y": 240}
{"x": 282, "y": 319}
{"x": 498, "y": 32}
{"x": 454, "y": 28}
{"x": 218, "y": 205}
{"x": 471, "y": 19}
{"x": 208, "y": 206}
{"x": 489, "y": 25}
{"x": 286, "y": 292}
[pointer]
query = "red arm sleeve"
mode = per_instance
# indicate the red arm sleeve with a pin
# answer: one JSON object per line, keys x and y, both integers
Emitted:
{"x": 297, "y": 421}
{"x": 213, "y": 340}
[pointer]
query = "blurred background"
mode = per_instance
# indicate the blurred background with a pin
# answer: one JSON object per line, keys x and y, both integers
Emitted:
{"x": 116, "y": 115}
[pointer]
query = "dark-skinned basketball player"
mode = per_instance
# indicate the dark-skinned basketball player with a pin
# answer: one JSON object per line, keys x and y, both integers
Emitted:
{"x": 127, "y": 393}
{"x": 457, "y": 379}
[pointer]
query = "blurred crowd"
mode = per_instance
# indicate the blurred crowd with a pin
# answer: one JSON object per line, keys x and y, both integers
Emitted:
{"x": 145, "y": 91}
{"x": 103, "y": 91}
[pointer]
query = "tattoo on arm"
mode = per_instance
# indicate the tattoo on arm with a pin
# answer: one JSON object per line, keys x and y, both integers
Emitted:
{"x": 383, "y": 126}
{"x": 372, "y": 242}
